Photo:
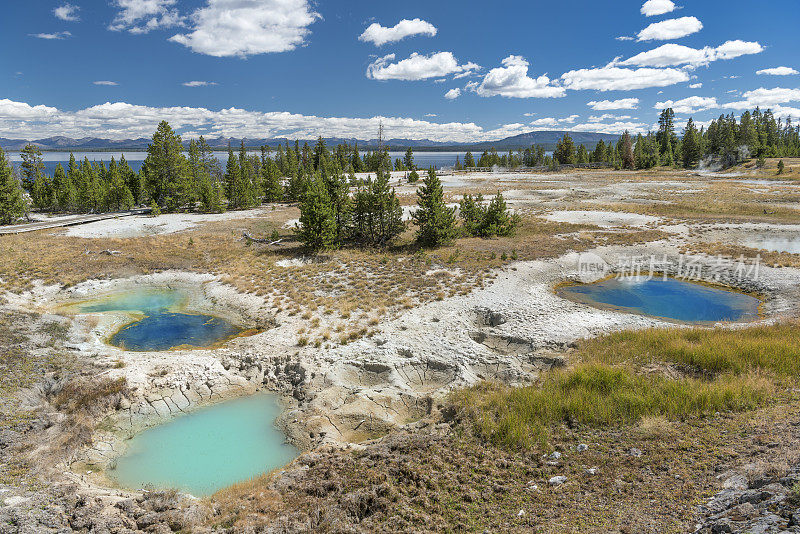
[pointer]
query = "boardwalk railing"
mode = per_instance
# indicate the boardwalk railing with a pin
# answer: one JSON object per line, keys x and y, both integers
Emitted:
{"x": 539, "y": 168}
{"x": 72, "y": 221}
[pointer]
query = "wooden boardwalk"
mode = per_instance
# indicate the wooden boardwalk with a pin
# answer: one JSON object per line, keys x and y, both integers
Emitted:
{"x": 71, "y": 221}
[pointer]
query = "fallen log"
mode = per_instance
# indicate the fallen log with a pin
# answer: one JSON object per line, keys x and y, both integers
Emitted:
{"x": 250, "y": 239}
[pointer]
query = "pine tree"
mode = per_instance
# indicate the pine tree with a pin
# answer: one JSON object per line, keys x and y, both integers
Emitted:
{"x": 565, "y": 150}
{"x": 247, "y": 189}
{"x": 690, "y": 146}
{"x": 469, "y": 160}
{"x": 435, "y": 220}
{"x": 338, "y": 190}
{"x": 132, "y": 180}
{"x": 32, "y": 166}
{"x": 65, "y": 195}
{"x": 377, "y": 216}
{"x": 599, "y": 153}
{"x": 273, "y": 189}
{"x": 387, "y": 214}
{"x": 583, "y": 155}
{"x": 358, "y": 164}
{"x": 89, "y": 193}
{"x": 666, "y": 137}
{"x": 498, "y": 221}
{"x": 12, "y": 204}
{"x": 117, "y": 195}
{"x": 408, "y": 159}
{"x": 195, "y": 175}
{"x": 780, "y": 167}
{"x": 473, "y": 213}
{"x": 413, "y": 177}
{"x": 639, "y": 152}
{"x": 626, "y": 151}
{"x": 317, "y": 227}
{"x": 487, "y": 221}
{"x": 42, "y": 192}
{"x": 165, "y": 168}
{"x": 233, "y": 180}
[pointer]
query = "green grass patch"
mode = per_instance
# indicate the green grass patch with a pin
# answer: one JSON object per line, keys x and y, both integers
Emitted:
{"x": 616, "y": 380}
{"x": 599, "y": 395}
{"x": 773, "y": 349}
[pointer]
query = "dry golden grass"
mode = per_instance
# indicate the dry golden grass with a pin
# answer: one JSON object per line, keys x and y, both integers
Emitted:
{"x": 721, "y": 200}
{"x": 791, "y": 169}
{"x": 768, "y": 257}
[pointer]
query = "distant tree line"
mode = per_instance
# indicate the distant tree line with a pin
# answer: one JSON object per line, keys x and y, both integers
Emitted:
{"x": 171, "y": 180}
{"x": 726, "y": 141}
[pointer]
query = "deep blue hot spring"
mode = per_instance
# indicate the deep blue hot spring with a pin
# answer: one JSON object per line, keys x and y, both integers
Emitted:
{"x": 162, "y": 321}
{"x": 672, "y": 299}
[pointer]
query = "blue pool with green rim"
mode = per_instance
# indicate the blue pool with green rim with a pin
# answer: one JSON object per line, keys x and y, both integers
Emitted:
{"x": 161, "y": 321}
{"x": 207, "y": 450}
{"x": 671, "y": 299}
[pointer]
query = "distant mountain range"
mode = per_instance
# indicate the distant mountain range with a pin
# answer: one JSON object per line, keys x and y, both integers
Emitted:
{"x": 95, "y": 144}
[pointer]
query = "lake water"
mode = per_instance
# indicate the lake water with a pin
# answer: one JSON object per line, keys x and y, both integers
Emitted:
{"x": 207, "y": 450}
{"x": 422, "y": 160}
{"x": 164, "y": 324}
{"x": 668, "y": 299}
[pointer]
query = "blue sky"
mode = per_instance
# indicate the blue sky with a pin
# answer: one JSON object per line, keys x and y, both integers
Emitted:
{"x": 439, "y": 70}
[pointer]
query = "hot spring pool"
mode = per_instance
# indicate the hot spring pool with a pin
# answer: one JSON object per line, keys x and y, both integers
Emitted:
{"x": 162, "y": 321}
{"x": 207, "y": 450}
{"x": 666, "y": 299}
{"x": 774, "y": 243}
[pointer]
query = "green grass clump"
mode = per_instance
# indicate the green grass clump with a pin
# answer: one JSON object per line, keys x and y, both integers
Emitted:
{"x": 774, "y": 349}
{"x": 598, "y": 395}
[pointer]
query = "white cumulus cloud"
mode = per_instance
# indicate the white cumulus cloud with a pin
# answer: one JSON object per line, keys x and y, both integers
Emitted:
{"x": 121, "y": 120}
{"x": 452, "y": 94}
{"x": 198, "y": 83}
{"x": 690, "y": 104}
{"x": 22, "y": 111}
{"x": 657, "y": 7}
{"x": 512, "y": 81}
{"x": 622, "y": 103}
{"x": 380, "y": 35}
{"x": 52, "y": 36}
{"x": 671, "y": 54}
{"x": 107, "y": 83}
{"x": 765, "y": 98}
{"x": 736, "y": 48}
{"x": 552, "y": 122}
{"x": 246, "y": 27}
{"x": 671, "y": 29}
{"x": 142, "y": 16}
{"x": 67, "y": 12}
{"x": 778, "y": 71}
{"x": 610, "y": 78}
{"x": 417, "y": 67}
{"x": 607, "y": 116}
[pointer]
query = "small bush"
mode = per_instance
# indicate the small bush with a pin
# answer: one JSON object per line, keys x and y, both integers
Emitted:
{"x": 86, "y": 395}
{"x": 487, "y": 221}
